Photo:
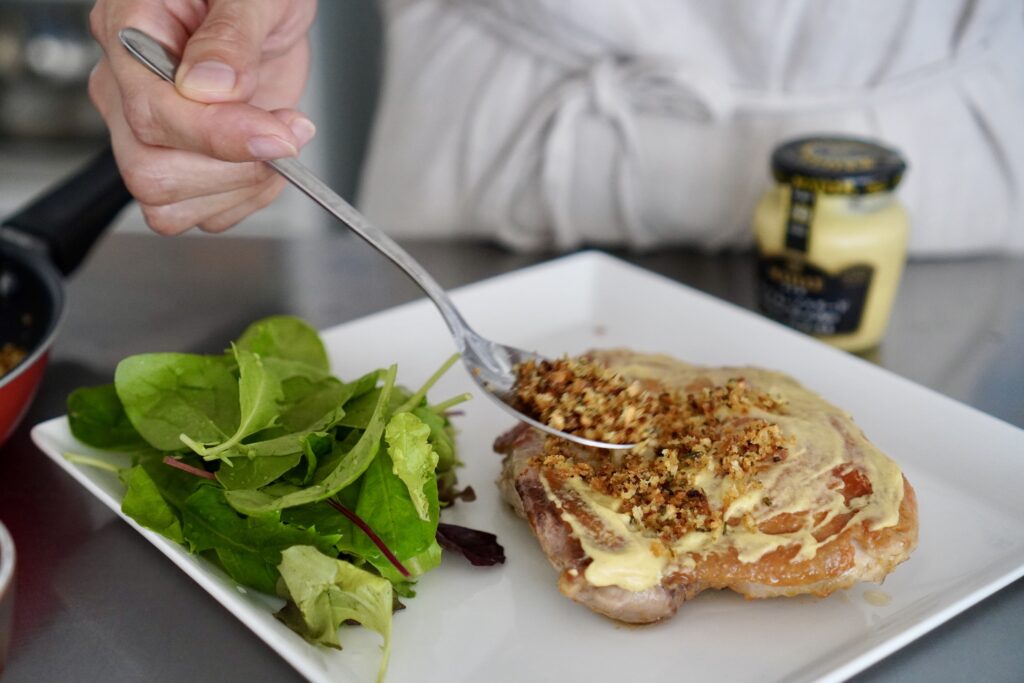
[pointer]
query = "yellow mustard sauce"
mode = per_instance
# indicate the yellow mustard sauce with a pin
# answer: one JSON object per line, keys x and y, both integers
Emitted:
{"x": 877, "y": 598}
{"x": 832, "y": 239}
{"x": 633, "y": 566}
{"x": 797, "y": 484}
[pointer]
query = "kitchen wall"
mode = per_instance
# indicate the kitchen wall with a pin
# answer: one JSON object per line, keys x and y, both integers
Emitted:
{"x": 48, "y": 126}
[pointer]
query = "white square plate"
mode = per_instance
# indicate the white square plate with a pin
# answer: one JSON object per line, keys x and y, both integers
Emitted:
{"x": 510, "y": 623}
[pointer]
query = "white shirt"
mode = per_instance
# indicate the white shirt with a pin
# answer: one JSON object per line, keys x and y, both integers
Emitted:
{"x": 556, "y": 123}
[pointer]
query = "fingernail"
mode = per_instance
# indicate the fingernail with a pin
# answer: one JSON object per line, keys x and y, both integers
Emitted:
{"x": 212, "y": 77}
{"x": 270, "y": 147}
{"x": 303, "y": 129}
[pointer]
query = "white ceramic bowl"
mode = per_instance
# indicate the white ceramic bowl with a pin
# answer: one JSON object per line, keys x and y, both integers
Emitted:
{"x": 6, "y": 592}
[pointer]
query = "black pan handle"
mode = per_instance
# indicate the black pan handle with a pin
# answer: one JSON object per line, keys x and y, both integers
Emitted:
{"x": 69, "y": 218}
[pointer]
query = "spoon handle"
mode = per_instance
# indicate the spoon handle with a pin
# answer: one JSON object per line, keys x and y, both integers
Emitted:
{"x": 312, "y": 186}
{"x": 161, "y": 62}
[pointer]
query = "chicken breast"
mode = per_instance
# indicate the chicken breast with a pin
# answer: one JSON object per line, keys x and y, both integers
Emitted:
{"x": 755, "y": 484}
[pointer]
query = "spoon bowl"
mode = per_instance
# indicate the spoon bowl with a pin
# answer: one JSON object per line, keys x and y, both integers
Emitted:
{"x": 490, "y": 364}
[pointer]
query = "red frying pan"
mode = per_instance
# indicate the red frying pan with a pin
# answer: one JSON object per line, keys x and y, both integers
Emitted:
{"x": 39, "y": 245}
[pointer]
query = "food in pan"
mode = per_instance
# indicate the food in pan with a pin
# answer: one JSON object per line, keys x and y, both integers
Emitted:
{"x": 10, "y": 356}
{"x": 744, "y": 480}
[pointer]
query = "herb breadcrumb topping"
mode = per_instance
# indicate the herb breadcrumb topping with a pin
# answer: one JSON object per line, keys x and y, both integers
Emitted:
{"x": 710, "y": 435}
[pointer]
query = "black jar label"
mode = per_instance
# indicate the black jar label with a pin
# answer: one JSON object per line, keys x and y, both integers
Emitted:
{"x": 811, "y": 300}
{"x": 801, "y": 216}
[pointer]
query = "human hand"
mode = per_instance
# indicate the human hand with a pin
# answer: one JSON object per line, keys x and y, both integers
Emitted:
{"x": 190, "y": 154}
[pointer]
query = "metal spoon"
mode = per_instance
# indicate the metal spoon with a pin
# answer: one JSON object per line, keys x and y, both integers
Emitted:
{"x": 489, "y": 364}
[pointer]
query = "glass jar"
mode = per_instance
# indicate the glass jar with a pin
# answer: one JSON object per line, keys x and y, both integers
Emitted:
{"x": 832, "y": 239}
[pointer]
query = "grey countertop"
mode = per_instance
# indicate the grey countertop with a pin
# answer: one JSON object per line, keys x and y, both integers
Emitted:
{"x": 96, "y": 602}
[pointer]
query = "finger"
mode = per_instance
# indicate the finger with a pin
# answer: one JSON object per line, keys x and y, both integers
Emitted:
{"x": 221, "y": 59}
{"x": 158, "y": 176}
{"x": 174, "y": 219}
{"x": 101, "y": 86}
{"x": 170, "y": 25}
{"x": 298, "y": 123}
{"x": 236, "y": 214}
{"x": 159, "y": 116}
{"x": 161, "y": 175}
{"x": 283, "y": 78}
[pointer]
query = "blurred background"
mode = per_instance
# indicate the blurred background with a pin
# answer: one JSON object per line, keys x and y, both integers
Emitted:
{"x": 48, "y": 125}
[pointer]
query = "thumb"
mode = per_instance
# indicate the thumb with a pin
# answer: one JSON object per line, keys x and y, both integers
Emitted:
{"x": 221, "y": 59}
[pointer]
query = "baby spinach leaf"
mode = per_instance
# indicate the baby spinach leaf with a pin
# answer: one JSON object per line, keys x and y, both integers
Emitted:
{"x": 314, "y": 447}
{"x": 324, "y": 592}
{"x": 320, "y": 517}
{"x": 97, "y": 418}
{"x": 306, "y": 402}
{"x": 175, "y": 485}
{"x": 284, "y": 368}
{"x": 325, "y": 519}
{"x": 386, "y": 507}
{"x": 209, "y": 523}
{"x": 316, "y": 411}
{"x": 166, "y": 395}
{"x": 423, "y": 562}
{"x": 359, "y": 411}
{"x": 143, "y": 503}
{"x": 259, "y": 389}
{"x": 248, "y": 569}
{"x": 256, "y": 472}
{"x": 287, "y": 338}
{"x": 340, "y": 448}
{"x": 360, "y": 386}
{"x": 156, "y": 493}
{"x": 348, "y": 469}
{"x": 412, "y": 457}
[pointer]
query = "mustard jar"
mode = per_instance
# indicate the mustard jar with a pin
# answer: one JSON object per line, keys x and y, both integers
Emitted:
{"x": 832, "y": 239}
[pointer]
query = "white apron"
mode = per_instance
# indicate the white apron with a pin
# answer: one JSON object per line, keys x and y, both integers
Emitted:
{"x": 557, "y": 123}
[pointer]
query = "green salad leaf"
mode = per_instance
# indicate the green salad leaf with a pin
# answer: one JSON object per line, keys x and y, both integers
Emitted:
{"x": 259, "y": 398}
{"x": 250, "y": 547}
{"x": 166, "y": 395}
{"x": 289, "y": 479}
{"x": 349, "y": 467}
{"x": 441, "y": 439}
{"x": 256, "y": 472}
{"x": 97, "y": 417}
{"x": 323, "y": 593}
{"x": 412, "y": 458}
{"x": 143, "y": 502}
{"x": 386, "y": 506}
{"x": 288, "y": 339}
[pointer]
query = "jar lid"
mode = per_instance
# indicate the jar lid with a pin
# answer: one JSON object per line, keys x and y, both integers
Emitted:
{"x": 836, "y": 164}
